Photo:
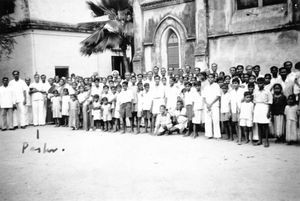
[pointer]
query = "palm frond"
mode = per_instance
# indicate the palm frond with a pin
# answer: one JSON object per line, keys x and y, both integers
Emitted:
{"x": 97, "y": 10}
{"x": 116, "y": 4}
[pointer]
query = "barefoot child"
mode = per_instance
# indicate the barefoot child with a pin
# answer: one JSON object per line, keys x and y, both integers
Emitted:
{"x": 277, "y": 111}
{"x": 126, "y": 99}
{"x": 262, "y": 102}
{"x": 56, "y": 108}
{"x": 106, "y": 113}
{"x": 291, "y": 120}
{"x": 65, "y": 107}
{"x": 198, "y": 109}
{"x": 96, "y": 111}
{"x": 74, "y": 111}
{"x": 147, "y": 107}
{"x": 139, "y": 106}
{"x": 225, "y": 111}
{"x": 246, "y": 118}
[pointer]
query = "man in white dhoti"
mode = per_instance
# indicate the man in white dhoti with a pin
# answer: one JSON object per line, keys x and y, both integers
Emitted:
{"x": 211, "y": 97}
{"x": 36, "y": 91}
{"x": 19, "y": 87}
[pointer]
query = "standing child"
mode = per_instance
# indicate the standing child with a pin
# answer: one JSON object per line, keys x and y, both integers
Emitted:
{"x": 262, "y": 100}
{"x": 225, "y": 111}
{"x": 198, "y": 108}
{"x": 56, "y": 108}
{"x": 112, "y": 100}
{"x": 65, "y": 107}
{"x": 291, "y": 120}
{"x": 116, "y": 114}
{"x": 189, "y": 106}
{"x": 126, "y": 98}
{"x": 236, "y": 97}
{"x": 246, "y": 118}
{"x": 96, "y": 111}
{"x": 147, "y": 107}
{"x": 106, "y": 113}
{"x": 277, "y": 111}
{"x": 74, "y": 111}
{"x": 140, "y": 94}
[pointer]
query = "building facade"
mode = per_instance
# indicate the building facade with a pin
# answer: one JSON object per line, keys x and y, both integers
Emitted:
{"x": 229, "y": 32}
{"x": 48, "y": 41}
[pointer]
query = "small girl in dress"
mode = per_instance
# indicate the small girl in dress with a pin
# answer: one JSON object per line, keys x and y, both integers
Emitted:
{"x": 65, "y": 107}
{"x": 277, "y": 111}
{"x": 56, "y": 108}
{"x": 96, "y": 111}
{"x": 74, "y": 111}
{"x": 291, "y": 120}
{"x": 106, "y": 112}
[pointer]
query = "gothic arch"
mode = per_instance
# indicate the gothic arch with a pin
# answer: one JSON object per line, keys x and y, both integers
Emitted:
{"x": 161, "y": 37}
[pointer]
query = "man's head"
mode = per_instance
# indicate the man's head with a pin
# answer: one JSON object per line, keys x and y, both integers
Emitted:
{"x": 274, "y": 71}
{"x": 283, "y": 72}
{"x": 43, "y": 78}
{"x": 268, "y": 78}
{"x": 239, "y": 69}
{"x": 155, "y": 70}
{"x": 232, "y": 71}
{"x": 288, "y": 65}
{"x": 127, "y": 76}
{"x": 16, "y": 75}
{"x": 157, "y": 79}
{"x": 37, "y": 78}
{"x": 187, "y": 69}
{"x": 214, "y": 67}
{"x": 256, "y": 69}
{"x": 235, "y": 83}
{"x": 249, "y": 69}
{"x": 211, "y": 78}
{"x": 260, "y": 83}
{"x": 27, "y": 81}
{"x": 5, "y": 81}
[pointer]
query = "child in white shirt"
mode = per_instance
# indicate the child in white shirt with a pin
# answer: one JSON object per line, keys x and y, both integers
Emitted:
{"x": 246, "y": 118}
{"x": 225, "y": 111}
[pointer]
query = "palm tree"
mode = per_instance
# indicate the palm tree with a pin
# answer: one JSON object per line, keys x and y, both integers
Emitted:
{"x": 114, "y": 33}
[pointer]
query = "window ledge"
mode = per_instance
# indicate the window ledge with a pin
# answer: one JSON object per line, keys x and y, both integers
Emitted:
{"x": 255, "y": 19}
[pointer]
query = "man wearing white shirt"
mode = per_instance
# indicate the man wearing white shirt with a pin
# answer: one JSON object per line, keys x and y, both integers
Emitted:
{"x": 7, "y": 103}
{"x": 28, "y": 103}
{"x": 211, "y": 95}
{"x": 36, "y": 91}
{"x": 45, "y": 88}
{"x": 172, "y": 94}
{"x": 19, "y": 87}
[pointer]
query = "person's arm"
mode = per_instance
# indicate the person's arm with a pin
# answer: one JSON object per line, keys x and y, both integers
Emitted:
{"x": 215, "y": 100}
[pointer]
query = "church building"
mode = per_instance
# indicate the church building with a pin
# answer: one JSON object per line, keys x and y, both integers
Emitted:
{"x": 227, "y": 32}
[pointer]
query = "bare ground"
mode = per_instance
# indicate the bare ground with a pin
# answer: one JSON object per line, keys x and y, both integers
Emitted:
{"x": 106, "y": 166}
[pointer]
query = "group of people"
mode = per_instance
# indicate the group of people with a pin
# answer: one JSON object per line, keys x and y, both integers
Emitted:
{"x": 163, "y": 102}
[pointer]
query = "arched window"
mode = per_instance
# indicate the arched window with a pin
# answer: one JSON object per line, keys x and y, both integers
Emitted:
{"x": 173, "y": 50}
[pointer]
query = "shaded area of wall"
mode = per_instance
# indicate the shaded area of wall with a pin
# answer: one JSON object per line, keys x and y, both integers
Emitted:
{"x": 20, "y": 59}
{"x": 264, "y": 49}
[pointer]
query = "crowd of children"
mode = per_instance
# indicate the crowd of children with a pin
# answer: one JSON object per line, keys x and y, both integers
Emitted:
{"x": 163, "y": 102}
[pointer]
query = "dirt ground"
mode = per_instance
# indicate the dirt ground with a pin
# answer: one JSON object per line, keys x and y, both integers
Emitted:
{"x": 103, "y": 166}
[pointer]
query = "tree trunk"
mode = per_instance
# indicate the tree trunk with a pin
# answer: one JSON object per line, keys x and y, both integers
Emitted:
{"x": 125, "y": 61}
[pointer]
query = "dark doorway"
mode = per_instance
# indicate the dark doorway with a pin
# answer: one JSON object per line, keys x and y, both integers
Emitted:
{"x": 62, "y": 71}
{"x": 117, "y": 64}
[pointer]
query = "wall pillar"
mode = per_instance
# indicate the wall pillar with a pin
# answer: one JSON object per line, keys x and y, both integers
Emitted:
{"x": 137, "y": 60}
{"x": 201, "y": 45}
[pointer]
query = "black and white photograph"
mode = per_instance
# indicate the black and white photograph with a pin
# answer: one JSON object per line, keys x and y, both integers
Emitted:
{"x": 149, "y": 100}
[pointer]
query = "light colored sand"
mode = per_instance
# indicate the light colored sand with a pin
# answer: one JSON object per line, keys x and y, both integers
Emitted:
{"x": 97, "y": 166}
